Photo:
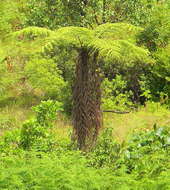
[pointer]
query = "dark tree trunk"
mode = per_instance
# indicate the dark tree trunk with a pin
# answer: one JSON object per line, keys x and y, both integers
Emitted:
{"x": 87, "y": 116}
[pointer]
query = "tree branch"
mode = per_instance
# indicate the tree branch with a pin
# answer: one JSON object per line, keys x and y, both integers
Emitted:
{"x": 115, "y": 111}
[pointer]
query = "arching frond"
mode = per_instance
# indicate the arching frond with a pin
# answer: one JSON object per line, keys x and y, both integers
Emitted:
{"x": 117, "y": 31}
{"x": 33, "y": 32}
{"x": 76, "y": 37}
{"x": 120, "y": 50}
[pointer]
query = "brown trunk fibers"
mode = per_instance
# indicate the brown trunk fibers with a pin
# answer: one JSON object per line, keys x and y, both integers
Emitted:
{"x": 87, "y": 117}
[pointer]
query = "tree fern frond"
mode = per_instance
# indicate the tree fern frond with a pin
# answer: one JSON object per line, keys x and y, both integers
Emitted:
{"x": 33, "y": 32}
{"x": 75, "y": 37}
{"x": 117, "y": 31}
{"x": 120, "y": 50}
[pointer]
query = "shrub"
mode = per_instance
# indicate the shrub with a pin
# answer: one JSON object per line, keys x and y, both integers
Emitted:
{"x": 107, "y": 150}
{"x": 35, "y": 132}
{"x": 147, "y": 153}
{"x": 115, "y": 94}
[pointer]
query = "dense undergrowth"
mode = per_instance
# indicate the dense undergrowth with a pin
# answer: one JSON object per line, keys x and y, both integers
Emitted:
{"x": 34, "y": 157}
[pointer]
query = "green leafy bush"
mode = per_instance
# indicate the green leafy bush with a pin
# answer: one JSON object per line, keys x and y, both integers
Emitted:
{"x": 148, "y": 152}
{"x": 115, "y": 94}
{"x": 35, "y": 132}
{"x": 106, "y": 151}
{"x": 45, "y": 78}
{"x": 142, "y": 164}
{"x": 9, "y": 142}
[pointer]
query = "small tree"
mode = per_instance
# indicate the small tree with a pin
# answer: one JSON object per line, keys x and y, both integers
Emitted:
{"x": 113, "y": 42}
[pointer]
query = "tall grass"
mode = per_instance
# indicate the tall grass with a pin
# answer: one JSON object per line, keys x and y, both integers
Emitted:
{"x": 143, "y": 119}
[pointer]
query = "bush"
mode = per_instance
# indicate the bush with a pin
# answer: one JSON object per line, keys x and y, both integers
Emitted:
{"x": 147, "y": 153}
{"x": 45, "y": 78}
{"x": 115, "y": 94}
{"x": 106, "y": 152}
{"x": 9, "y": 142}
{"x": 142, "y": 164}
{"x": 35, "y": 133}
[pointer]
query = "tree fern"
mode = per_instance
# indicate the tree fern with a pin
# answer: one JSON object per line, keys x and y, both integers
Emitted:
{"x": 113, "y": 42}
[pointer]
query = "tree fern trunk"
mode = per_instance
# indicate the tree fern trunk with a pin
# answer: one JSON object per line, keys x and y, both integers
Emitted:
{"x": 86, "y": 101}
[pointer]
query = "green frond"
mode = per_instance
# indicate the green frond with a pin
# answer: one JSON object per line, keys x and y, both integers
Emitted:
{"x": 117, "y": 31}
{"x": 28, "y": 41}
{"x": 116, "y": 48}
{"x": 74, "y": 37}
{"x": 33, "y": 32}
{"x": 120, "y": 50}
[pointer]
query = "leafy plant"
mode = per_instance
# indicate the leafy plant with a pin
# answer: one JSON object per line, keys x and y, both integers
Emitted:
{"x": 91, "y": 46}
{"x": 148, "y": 151}
{"x": 106, "y": 151}
{"x": 115, "y": 94}
{"x": 9, "y": 142}
{"x": 35, "y": 133}
{"x": 44, "y": 77}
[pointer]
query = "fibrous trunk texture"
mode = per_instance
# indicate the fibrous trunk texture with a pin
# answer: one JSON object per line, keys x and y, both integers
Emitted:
{"x": 87, "y": 118}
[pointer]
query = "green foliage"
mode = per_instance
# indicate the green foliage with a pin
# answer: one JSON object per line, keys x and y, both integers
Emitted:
{"x": 106, "y": 152}
{"x": 38, "y": 63}
{"x": 69, "y": 172}
{"x": 109, "y": 41}
{"x": 155, "y": 37}
{"x": 115, "y": 94}
{"x": 157, "y": 32}
{"x": 35, "y": 133}
{"x": 95, "y": 12}
{"x": 153, "y": 16}
{"x": 34, "y": 136}
{"x": 46, "y": 112}
{"x": 137, "y": 12}
{"x": 10, "y": 16}
{"x": 48, "y": 13}
{"x": 6, "y": 79}
{"x": 64, "y": 169}
{"x": 45, "y": 77}
{"x": 146, "y": 154}
{"x": 120, "y": 49}
{"x": 159, "y": 79}
{"x": 145, "y": 88}
{"x": 148, "y": 151}
{"x": 9, "y": 142}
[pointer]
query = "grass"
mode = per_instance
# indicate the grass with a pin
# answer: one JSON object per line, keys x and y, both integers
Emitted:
{"x": 12, "y": 117}
{"x": 123, "y": 124}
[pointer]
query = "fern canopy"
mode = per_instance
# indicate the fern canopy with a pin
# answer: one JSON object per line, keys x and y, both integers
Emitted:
{"x": 115, "y": 41}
